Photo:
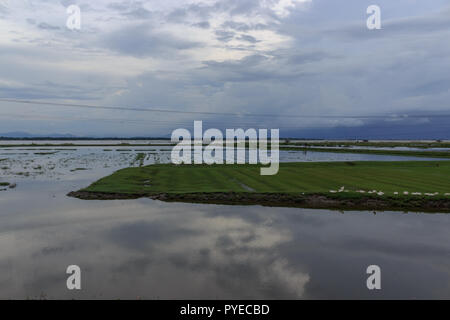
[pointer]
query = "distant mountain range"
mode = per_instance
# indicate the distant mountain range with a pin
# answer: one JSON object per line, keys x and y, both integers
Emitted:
{"x": 20, "y": 134}
{"x": 58, "y": 136}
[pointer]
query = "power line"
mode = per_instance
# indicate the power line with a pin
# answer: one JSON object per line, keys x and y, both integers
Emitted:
{"x": 186, "y": 123}
{"x": 117, "y": 108}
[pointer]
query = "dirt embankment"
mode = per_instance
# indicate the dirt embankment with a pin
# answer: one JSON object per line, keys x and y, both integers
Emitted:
{"x": 316, "y": 201}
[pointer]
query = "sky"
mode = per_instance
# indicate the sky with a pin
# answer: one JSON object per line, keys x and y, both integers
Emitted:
{"x": 311, "y": 68}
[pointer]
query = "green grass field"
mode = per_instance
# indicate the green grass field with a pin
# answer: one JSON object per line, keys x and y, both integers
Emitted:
{"x": 405, "y": 153}
{"x": 377, "y": 144}
{"x": 318, "y": 178}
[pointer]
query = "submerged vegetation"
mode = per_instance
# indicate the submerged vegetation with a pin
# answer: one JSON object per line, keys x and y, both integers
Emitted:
{"x": 78, "y": 169}
{"x": 140, "y": 157}
{"x": 7, "y": 185}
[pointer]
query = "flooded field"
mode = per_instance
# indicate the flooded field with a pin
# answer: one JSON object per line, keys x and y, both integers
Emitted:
{"x": 131, "y": 249}
{"x": 18, "y": 163}
{"x": 47, "y": 162}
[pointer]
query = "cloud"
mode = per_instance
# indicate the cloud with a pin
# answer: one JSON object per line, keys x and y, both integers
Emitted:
{"x": 46, "y": 26}
{"x": 132, "y": 10}
{"x": 3, "y": 10}
{"x": 142, "y": 40}
{"x": 203, "y": 25}
{"x": 411, "y": 26}
{"x": 139, "y": 13}
{"x": 282, "y": 8}
{"x": 248, "y": 38}
{"x": 282, "y": 57}
{"x": 224, "y": 36}
{"x": 242, "y": 26}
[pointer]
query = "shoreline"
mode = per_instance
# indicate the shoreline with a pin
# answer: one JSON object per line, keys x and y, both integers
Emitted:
{"x": 307, "y": 201}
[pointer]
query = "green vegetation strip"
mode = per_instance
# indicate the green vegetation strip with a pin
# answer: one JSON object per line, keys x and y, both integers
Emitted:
{"x": 296, "y": 184}
{"x": 377, "y": 144}
{"x": 426, "y": 154}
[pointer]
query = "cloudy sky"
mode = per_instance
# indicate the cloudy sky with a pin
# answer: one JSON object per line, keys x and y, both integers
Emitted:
{"x": 311, "y": 67}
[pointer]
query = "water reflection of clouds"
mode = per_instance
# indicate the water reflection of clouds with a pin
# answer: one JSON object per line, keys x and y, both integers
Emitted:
{"x": 151, "y": 249}
{"x": 144, "y": 248}
{"x": 228, "y": 255}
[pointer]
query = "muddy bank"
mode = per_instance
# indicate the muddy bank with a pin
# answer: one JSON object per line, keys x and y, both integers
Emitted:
{"x": 314, "y": 201}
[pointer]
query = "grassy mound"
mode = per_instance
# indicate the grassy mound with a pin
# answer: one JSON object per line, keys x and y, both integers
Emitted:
{"x": 318, "y": 177}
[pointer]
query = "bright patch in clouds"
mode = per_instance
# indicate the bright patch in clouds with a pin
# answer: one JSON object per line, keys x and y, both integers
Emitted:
{"x": 282, "y": 7}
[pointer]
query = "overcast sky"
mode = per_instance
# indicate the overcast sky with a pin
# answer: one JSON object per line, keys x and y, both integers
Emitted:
{"x": 285, "y": 58}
